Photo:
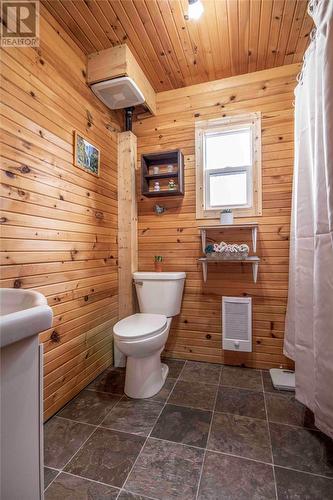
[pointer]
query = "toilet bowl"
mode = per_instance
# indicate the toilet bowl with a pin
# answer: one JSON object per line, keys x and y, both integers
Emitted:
{"x": 142, "y": 336}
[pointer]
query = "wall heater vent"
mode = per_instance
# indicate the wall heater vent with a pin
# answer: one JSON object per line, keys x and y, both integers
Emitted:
{"x": 237, "y": 323}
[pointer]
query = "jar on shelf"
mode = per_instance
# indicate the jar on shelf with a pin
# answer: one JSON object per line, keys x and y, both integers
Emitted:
{"x": 227, "y": 217}
{"x": 157, "y": 186}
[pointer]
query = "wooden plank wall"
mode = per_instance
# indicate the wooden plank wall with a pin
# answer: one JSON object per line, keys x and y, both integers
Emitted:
{"x": 59, "y": 223}
{"x": 196, "y": 332}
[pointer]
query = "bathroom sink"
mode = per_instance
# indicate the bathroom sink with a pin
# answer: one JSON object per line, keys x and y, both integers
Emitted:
{"x": 23, "y": 313}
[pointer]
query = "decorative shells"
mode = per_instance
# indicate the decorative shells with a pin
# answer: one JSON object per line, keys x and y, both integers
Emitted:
{"x": 228, "y": 251}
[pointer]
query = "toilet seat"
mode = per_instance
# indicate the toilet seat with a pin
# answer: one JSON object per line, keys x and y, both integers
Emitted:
{"x": 140, "y": 326}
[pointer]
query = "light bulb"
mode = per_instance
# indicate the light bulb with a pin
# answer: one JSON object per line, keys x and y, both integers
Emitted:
{"x": 195, "y": 9}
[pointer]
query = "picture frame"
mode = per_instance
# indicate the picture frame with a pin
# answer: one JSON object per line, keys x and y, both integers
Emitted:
{"x": 86, "y": 155}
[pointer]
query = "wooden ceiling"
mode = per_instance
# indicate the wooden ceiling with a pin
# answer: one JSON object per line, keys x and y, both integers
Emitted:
{"x": 231, "y": 37}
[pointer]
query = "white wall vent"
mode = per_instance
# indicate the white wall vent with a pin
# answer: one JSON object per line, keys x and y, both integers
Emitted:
{"x": 118, "y": 93}
{"x": 237, "y": 323}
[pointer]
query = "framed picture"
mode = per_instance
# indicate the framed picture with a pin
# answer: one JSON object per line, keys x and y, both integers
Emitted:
{"x": 86, "y": 155}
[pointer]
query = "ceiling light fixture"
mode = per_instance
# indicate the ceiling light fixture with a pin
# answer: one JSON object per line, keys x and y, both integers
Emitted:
{"x": 195, "y": 9}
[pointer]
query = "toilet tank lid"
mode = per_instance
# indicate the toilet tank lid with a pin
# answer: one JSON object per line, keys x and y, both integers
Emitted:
{"x": 158, "y": 276}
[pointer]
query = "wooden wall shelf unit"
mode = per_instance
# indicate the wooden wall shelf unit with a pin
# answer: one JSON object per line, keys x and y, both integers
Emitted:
{"x": 162, "y": 160}
{"x": 246, "y": 225}
{"x": 253, "y": 260}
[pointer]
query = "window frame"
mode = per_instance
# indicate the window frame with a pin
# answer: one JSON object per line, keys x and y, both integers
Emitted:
{"x": 215, "y": 126}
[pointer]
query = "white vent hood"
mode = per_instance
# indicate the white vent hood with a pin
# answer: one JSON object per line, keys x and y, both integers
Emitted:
{"x": 118, "y": 80}
{"x": 118, "y": 93}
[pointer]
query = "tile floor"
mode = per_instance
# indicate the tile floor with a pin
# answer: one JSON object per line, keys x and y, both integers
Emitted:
{"x": 212, "y": 432}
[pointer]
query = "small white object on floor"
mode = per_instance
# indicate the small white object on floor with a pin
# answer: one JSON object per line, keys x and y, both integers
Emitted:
{"x": 283, "y": 380}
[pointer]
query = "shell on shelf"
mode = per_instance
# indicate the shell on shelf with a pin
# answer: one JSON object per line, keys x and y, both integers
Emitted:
{"x": 228, "y": 251}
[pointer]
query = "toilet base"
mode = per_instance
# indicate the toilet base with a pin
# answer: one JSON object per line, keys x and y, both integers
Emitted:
{"x": 145, "y": 377}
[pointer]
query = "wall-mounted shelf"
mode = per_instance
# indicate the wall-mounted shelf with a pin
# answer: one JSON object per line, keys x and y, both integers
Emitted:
{"x": 246, "y": 225}
{"x": 162, "y": 176}
{"x": 253, "y": 260}
{"x": 162, "y": 160}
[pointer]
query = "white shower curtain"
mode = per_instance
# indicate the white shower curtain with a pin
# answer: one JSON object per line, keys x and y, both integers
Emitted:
{"x": 309, "y": 321}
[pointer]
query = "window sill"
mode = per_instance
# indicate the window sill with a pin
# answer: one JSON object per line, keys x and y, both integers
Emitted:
{"x": 214, "y": 215}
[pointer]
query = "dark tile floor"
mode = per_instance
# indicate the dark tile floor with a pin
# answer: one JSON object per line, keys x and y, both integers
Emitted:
{"x": 211, "y": 433}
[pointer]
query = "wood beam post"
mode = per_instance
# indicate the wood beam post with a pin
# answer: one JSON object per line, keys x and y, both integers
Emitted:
{"x": 127, "y": 222}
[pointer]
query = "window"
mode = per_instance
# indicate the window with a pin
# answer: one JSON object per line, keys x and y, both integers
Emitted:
{"x": 228, "y": 166}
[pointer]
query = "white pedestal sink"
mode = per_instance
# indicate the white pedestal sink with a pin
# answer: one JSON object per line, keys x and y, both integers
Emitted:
{"x": 24, "y": 314}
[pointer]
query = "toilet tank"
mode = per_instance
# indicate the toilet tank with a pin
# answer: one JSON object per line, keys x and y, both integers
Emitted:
{"x": 159, "y": 293}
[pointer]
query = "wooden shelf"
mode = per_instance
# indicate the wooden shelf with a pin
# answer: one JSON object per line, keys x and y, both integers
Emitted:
{"x": 247, "y": 260}
{"x": 153, "y": 194}
{"x": 161, "y": 176}
{"x": 246, "y": 225}
{"x": 162, "y": 160}
{"x": 253, "y": 260}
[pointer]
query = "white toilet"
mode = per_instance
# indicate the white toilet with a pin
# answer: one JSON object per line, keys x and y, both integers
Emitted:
{"x": 142, "y": 336}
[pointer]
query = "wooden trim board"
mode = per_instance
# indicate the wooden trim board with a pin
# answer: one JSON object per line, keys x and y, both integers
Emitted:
{"x": 127, "y": 222}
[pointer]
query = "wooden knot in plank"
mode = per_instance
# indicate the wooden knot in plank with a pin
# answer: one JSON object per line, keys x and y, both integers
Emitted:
{"x": 24, "y": 169}
{"x": 55, "y": 337}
